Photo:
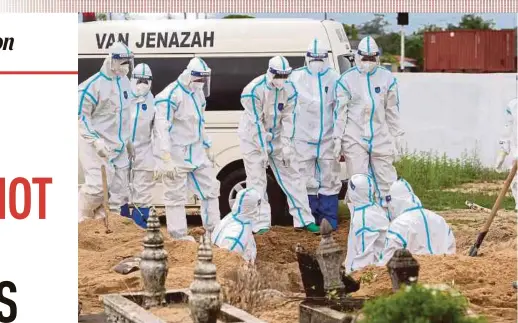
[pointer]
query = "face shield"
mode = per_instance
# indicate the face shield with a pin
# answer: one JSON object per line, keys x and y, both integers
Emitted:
{"x": 316, "y": 62}
{"x": 142, "y": 84}
{"x": 366, "y": 62}
{"x": 279, "y": 77}
{"x": 122, "y": 64}
{"x": 200, "y": 81}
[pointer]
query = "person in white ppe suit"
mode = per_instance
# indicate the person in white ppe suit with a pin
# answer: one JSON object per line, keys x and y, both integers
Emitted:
{"x": 313, "y": 133}
{"x": 104, "y": 134}
{"x": 367, "y": 119}
{"x": 265, "y": 134}
{"x": 508, "y": 142}
{"x": 413, "y": 227}
{"x": 143, "y": 165}
{"x": 368, "y": 227}
{"x": 234, "y": 232}
{"x": 184, "y": 149}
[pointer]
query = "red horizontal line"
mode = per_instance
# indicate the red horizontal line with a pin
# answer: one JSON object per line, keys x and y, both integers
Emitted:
{"x": 38, "y": 72}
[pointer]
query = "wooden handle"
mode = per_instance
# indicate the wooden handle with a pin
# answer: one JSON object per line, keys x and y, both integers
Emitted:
{"x": 500, "y": 198}
{"x": 105, "y": 196}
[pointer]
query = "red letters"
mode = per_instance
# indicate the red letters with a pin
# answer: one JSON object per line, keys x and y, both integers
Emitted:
{"x": 27, "y": 197}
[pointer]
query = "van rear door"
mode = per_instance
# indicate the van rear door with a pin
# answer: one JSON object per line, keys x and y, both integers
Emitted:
{"x": 340, "y": 45}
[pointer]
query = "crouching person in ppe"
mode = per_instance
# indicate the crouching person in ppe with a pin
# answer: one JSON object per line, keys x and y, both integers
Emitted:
{"x": 413, "y": 227}
{"x": 104, "y": 134}
{"x": 234, "y": 232}
{"x": 508, "y": 143}
{"x": 143, "y": 165}
{"x": 265, "y": 136}
{"x": 185, "y": 149}
{"x": 368, "y": 227}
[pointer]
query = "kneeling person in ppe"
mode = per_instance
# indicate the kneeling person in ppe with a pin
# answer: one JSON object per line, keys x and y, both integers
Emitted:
{"x": 234, "y": 232}
{"x": 508, "y": 143}
{"x": 367, "y": 120}
{"x": 184, "y": 148}
{"x": 313, "y": 133}
{"x": 104, "y": 134}
{"x": 143, "y": 165}
{"x": 265, "y": 135}
{"x": 415, "y": 228}
{"x": 369, "y": 224}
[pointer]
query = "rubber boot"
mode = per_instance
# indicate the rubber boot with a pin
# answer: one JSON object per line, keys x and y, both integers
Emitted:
{"x": 329, "y": 209}
{"x": 125, "y": 211}
{"x": 140, "y": 216}
{"x": 314, "y": 204}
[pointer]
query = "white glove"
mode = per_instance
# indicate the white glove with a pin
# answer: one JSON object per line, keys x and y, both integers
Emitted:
{"x": 399, "y": 145}
{"x": 502, "y": 155}
{"x": 102, "y": 150}
{"x": 210, "y": 155}
{"x": 337, "y": 148}
{"x": 505, "y": 146}
{"x": 169, "y": 168}
{"x": 131, "y": 151}
{"x": 265, "y": 160}
{"x": 286, "y": 156}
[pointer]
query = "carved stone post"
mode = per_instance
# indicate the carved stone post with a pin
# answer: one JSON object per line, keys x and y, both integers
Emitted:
{"x": 153, "y": 263}
{"x": 329, "y": 256}
{"x": 403, "y": 269}
{"x": 205, "y": 300}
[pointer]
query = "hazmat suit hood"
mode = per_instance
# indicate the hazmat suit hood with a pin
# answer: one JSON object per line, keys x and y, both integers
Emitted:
{"x": 402, "y": 198}
{"x": 118, "y": 52}
{"x": 361, "y": 190}
{"x": 196, "y": 69}
{"x": 317, "y": 57}
{"x": 247, "y": 205}
{"x": 142, "y": 72}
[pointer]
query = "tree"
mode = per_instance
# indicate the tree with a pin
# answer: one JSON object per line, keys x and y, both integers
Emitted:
{"x": 351, "y": 31}
{"x": 237, "y": 17}
{"x": 101, "y": 17}
{"x": 374, "y": 27}
{"x": 471, "y": 21}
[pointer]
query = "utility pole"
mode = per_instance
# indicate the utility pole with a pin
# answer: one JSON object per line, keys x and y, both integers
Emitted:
{"x": 402, "y": 20}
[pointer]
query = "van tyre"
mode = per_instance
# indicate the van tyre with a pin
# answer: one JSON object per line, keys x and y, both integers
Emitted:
{"x": 276, "y": 197}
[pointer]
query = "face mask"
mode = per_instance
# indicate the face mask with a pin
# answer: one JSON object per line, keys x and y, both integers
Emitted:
{"x": 142, "y": 89}
{"x": 367, "y": 67}
{"x": 279, "y": 83}
{"x": 197, "y": 86}
{"x": 316, "y": 66}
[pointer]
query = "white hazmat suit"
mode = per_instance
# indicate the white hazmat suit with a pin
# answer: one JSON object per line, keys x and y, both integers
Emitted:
{"x": 143, "y": 165}
{"x": 104, "y": 134}
{"x": 508, "y": 142}
{"x": 368, "y": 227}
{"x": 234, "y": 232}
{"x": 313, "y": 133}
{"x": 366, "y": 119}
{"x": 413, "y": 227}
{"x": 265, "y": 132}
{"x": 180, "y": 126}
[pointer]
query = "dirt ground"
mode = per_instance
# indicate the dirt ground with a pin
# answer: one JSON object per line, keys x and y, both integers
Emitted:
{"x": 486, "y": 280}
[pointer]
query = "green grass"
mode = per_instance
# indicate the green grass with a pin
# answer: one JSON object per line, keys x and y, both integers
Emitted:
{"x": 430, "y": 174}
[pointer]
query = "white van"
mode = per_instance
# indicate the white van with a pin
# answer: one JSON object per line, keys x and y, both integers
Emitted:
{"x": 237, "y": 51}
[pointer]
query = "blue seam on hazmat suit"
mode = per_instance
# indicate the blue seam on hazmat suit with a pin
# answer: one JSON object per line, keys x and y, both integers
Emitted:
{"x": 294, "y": 112}
{"x": 274, "y": 117}
{"x": 286, "y": 192}
{"x": 252, "y": 93}
{"x": 234, "y": 216}
{"x": 120, "y": 117}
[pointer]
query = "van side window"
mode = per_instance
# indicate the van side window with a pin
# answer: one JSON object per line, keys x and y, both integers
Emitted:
{"x": 165, "y": 69}
{"x": 343, "y": 63}
{"x": 230, "y": 75}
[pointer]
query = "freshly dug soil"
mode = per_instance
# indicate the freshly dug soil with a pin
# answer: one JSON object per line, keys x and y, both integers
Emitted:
{"x": 486, "y": 280}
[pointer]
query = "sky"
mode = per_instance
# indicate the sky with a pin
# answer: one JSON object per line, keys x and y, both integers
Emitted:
{"x": 501, "y": 20}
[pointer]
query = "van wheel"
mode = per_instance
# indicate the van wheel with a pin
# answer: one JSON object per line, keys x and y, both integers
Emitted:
{"x": 236, "y": 181}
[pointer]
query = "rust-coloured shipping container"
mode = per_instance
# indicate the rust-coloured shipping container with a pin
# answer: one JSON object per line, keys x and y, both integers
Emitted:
{"x": 470, "y": 51}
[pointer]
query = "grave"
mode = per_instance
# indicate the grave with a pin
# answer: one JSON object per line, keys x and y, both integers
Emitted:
{"x": 201, "y": 303}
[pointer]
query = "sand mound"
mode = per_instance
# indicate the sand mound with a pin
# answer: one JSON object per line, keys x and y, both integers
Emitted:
{"x": 486, "y": 280}
{"x": 100, "y": 252}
